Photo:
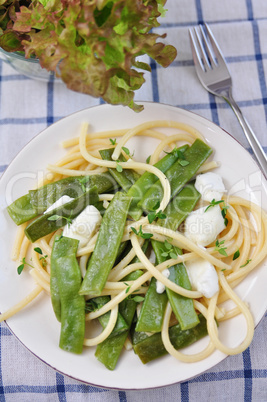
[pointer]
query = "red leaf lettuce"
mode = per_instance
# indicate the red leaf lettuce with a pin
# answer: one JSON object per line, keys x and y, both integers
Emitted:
{"x": 93, "y": 45}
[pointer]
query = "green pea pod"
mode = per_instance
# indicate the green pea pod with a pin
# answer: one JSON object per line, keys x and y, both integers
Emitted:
{"x": 58, "y": 217}
{"x": 72, "y": 304}
{"x": 107, "y": 245}
{"x": 62, "y": 247}
{"x": 144, "y": 183}
{"x": 21, "y": 210}
{"x": 183, "y": 308}
{"x": 152, "y": 311}
{"x": 37, "y": 201}
{"x": 150, "y": 347}
{"x": 108, "y": 351}
{"x": 178, "y": 174}
{"x": 127, "y": 177}
{"x": 180, "y": 207}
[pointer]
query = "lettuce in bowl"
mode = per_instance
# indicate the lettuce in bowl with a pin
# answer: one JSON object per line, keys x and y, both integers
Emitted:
{"x": 93, "y": 45}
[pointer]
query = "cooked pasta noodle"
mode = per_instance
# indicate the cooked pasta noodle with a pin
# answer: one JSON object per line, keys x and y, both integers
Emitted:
{"x": 246, "y": 232}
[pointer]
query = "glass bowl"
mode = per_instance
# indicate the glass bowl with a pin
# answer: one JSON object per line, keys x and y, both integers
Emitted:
{"x": 28, "y": 67}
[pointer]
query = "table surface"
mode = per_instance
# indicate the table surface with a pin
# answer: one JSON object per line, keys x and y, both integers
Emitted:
{"x": 28, "y": 106}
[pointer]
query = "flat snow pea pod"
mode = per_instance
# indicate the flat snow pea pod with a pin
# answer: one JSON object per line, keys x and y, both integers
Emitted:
{"x": 178, "y": 174}
{"x": 152, "y": 311}
{"x": 126, "y": 177}
{"x": 183, "y": 307}
{"x": 74, "y": 187}
{"x": 58, "y": 217}
{"x": 62, "y": 247}
{"x": 120, "y": 325}
{"x": 109, "y": 351}
{"x": 72, "y": 304}
{"x": 107, "y": 245}
{"x": 147, "y": 179}
{"x": 176, "y": 212}
{"x": 150, "y": 347}
{"x": 180, "y": 207}
{"x": 21, "y": 210}
{"x": 37, "y": 201}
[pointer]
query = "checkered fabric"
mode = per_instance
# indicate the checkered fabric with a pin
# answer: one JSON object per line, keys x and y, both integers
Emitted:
{"x": 28, "y": 106}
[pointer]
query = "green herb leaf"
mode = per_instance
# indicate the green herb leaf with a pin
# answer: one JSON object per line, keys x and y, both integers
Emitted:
{"x": 113, "y": 142}
{"x": 57, "y": 217}
{"x": 58, "y": 238}
{"x": 141, "y": 234}
{"x": 83, "y": 181}
{"x": 118, "y": 166}
{"x": 148, "y": 159}
{"x": 23, "y": 263}
{"x": 173, "y": 255}
{"x": 219, "y": 247}
{"x": 153, "y": 215}
{"x": 246, "y": 263}
{"x": 38, "y": 250}
{"x": 126, "y": 150}
{"x": 138, "y": 299}
{"x": 156, "y": 206}
{"x": 167, "y": 245}
{"x": 213, "y": 203}
{"x": 183, "y": 163}
{"x": 128, "y": 287}
{"x": 20, "y": 268}
{"x": 134, "y": 230}
{"x": 54, "y": 217}
{"x": 236, "y": 255}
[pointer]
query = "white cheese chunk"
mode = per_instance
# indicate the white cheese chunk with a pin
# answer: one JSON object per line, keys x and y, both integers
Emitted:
{"x": 61, "y": 201}
{"x": 203, "y": 276}
{"x": 203, "y": 227}
{"x": 210, "y": 186}
{"x": 84, "y": 225}
{"x": 159, "y": 285}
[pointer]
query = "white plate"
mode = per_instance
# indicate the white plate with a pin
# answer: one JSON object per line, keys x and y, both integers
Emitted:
{"x": 37, "y": 328}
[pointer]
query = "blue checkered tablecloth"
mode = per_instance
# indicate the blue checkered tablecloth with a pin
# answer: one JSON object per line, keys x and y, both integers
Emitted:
{"x": 28, "y": 106}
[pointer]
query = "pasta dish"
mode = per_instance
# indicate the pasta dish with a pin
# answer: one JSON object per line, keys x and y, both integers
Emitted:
{"x": 152, "y": 251}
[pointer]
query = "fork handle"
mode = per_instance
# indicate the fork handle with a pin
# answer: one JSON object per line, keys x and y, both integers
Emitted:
{"x": 257, "y": 149}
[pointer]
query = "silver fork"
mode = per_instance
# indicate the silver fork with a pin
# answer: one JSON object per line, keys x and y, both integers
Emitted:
{"x": 214, "y": 75}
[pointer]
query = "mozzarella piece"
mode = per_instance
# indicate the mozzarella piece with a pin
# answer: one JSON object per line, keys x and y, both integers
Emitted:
{"x": 203, "y": 276}
{"x": 159, "y": 285}
{"x": 203, "y": 227}
{"x": 210, "y": 186}
{"x": 61, "y": 201}
{"x": 84, "y": 225}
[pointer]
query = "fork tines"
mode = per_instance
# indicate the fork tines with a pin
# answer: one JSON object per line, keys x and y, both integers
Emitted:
{"x": 205, "y": 47}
